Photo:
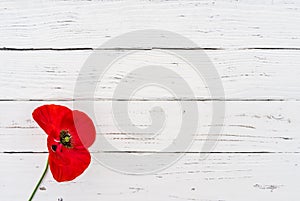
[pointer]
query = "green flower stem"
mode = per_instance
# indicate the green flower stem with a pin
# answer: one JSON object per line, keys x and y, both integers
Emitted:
{"x": 40, "y": 181}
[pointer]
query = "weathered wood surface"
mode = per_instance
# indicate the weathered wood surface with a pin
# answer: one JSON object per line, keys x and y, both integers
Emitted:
{"x": 87, "y": 24}
{"x": 254, "y": 46}
{"x": 245, "y": 74}
{"x": 220, "y": 177}
{"x": 249, "y": 126}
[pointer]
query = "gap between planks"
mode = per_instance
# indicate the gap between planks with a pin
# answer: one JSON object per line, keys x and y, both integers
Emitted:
{"x": 154, "y": 99}
{"x": 150, "y": 48}
{"x": 155, "y": 152}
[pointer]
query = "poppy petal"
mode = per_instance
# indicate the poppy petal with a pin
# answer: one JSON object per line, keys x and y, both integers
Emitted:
{"x": 85, "y": 128}
{"x": 81, "y": 128}
{"x": 68, "y": 164}
{"x": 49, "y": 117}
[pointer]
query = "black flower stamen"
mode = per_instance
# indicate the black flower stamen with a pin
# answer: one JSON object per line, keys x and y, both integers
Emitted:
{"x": 66, "y": 138}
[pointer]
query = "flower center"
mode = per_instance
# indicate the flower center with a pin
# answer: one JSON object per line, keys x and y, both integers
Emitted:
{"x": 65, "y": 138}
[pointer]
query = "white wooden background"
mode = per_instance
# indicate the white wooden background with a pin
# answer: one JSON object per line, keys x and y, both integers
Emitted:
{"x": 255, "y": 47}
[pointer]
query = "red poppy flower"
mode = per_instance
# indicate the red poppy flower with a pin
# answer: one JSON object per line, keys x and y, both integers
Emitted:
{"x": 70, "y": 133}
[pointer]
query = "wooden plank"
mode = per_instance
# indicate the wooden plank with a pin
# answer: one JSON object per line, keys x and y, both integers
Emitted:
{"x": 248, "y": 74}
{"x": 220, "y": 177}
{"x": 225, "y": 24}
{"x": 249, "y": 127}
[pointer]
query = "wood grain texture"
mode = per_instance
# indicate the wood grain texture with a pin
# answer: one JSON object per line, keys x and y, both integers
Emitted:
{"x": 247, "y": 74}
{"x": 220, "y": 177}
{"x": 249, "y": 127}
{"x": 210, "y": 23}
{"x": 254, "y": 46}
